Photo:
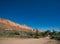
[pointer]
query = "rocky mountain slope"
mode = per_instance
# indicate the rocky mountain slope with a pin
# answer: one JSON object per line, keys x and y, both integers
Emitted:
{"x": 9, "y": 25}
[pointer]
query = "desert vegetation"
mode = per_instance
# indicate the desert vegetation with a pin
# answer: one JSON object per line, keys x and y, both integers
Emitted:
{"x": 54, "y": 35}
{"x": 19, "y": 34}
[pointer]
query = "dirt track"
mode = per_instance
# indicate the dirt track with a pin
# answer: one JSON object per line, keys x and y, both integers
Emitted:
{"x": 24, "y": 41}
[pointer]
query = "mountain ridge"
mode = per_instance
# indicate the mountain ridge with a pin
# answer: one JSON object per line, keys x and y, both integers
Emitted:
{"x": 10, "y": 25}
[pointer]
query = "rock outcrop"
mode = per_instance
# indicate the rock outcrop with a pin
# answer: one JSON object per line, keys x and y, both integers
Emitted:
{"x": 9, "y": 25}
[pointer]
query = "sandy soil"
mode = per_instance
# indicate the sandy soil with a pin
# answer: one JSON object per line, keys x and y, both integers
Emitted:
{"x": 24, "y": 41}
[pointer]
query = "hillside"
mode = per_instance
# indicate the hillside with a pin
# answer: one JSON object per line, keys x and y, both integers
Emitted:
{"x": 9, "y": 25}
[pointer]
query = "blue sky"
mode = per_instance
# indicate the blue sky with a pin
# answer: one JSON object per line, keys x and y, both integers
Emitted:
{"x": 42, "y": 14}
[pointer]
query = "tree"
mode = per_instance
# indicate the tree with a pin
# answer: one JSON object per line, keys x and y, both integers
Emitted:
{"x": 54, "y": 32}
{"x": 48, "y": 32}
{"x": 36, "y": 34}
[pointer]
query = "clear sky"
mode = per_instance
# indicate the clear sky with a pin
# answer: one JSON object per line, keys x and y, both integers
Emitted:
{"x": 42, "y": 14}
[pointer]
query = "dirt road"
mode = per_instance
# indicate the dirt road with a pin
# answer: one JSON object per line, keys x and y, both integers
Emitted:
{"x": 24, "y": 41}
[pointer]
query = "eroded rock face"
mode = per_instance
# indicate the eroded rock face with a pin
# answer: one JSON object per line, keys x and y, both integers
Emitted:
{"x": 9, "y": 25}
